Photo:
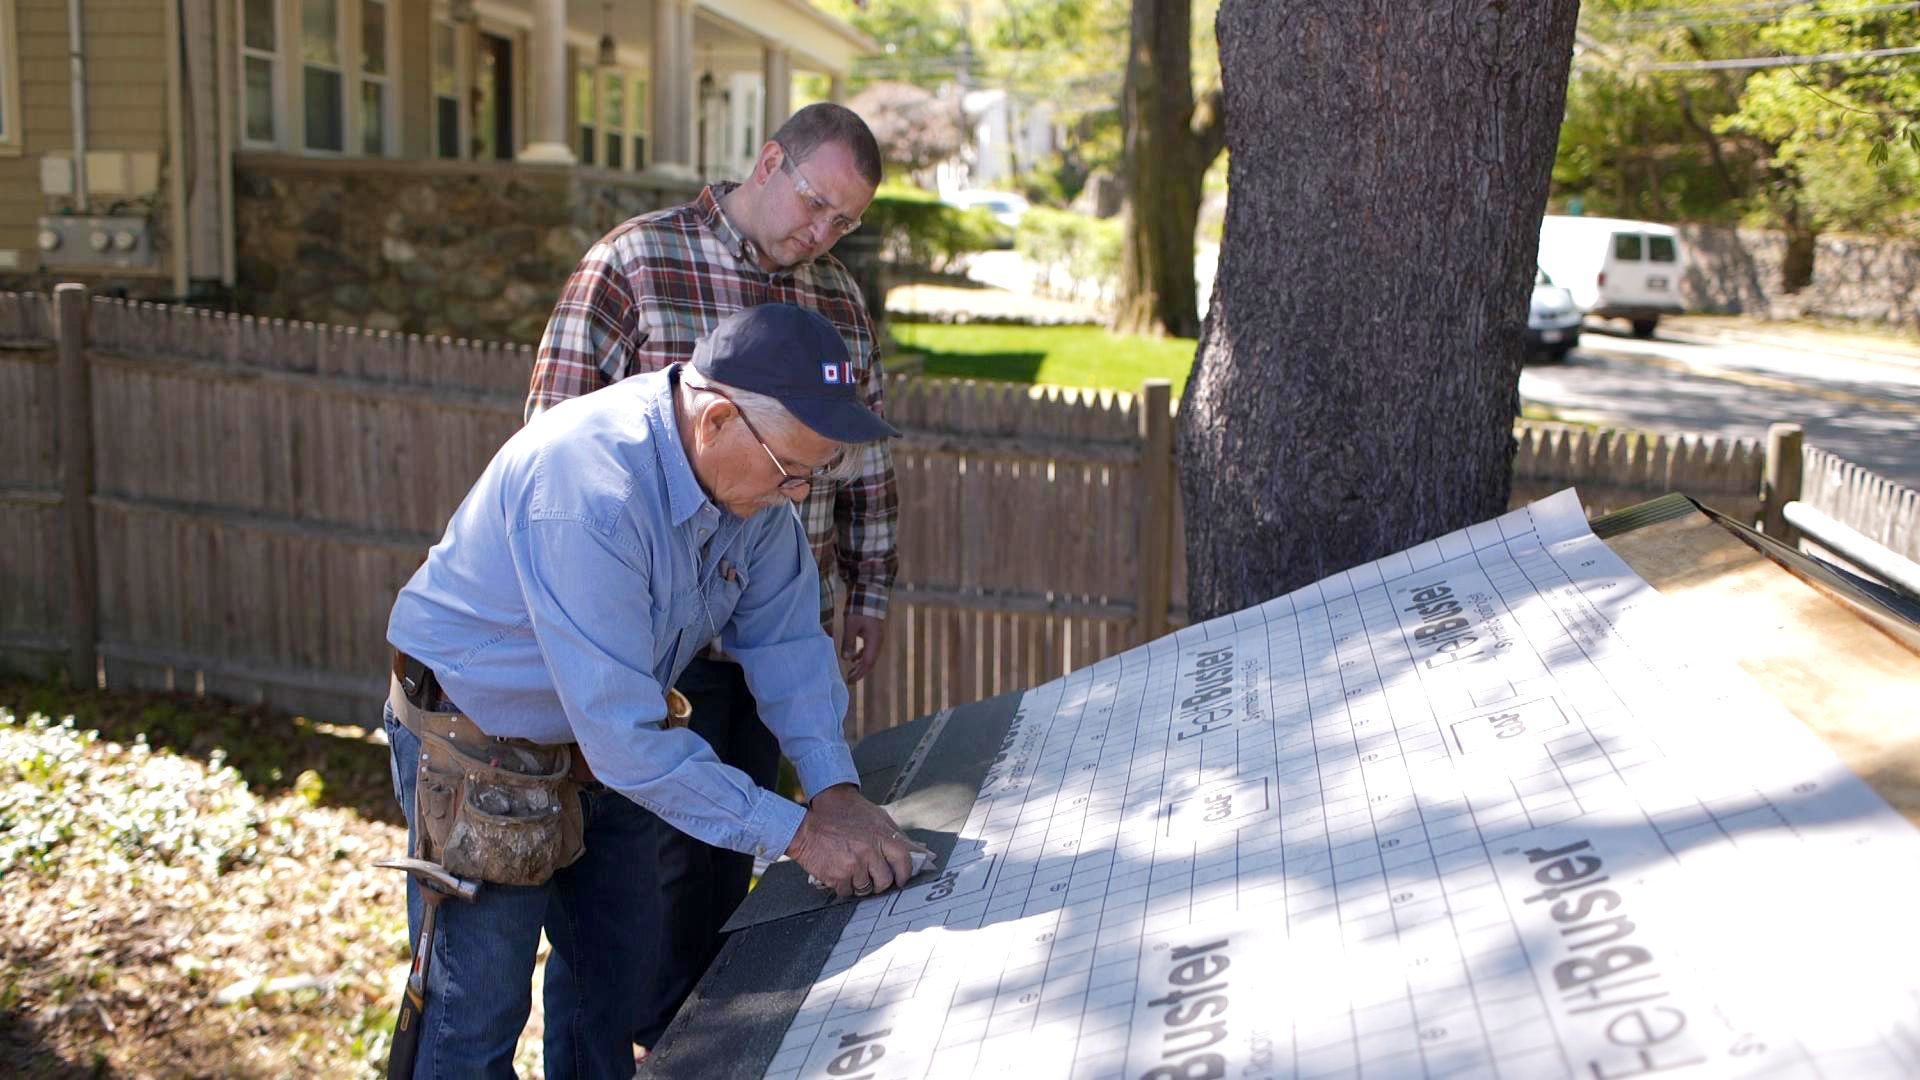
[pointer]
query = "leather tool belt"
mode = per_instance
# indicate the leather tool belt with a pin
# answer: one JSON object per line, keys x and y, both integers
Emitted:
{"x": 500, "y": 810}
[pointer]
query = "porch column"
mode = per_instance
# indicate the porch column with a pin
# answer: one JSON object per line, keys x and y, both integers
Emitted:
{"x": 673, "y": 87}
{"x": 549, "y": 144}
{"x": 837, "y": 88}
{"x": 413, "y": 31}
{"x": 778, "y": 104}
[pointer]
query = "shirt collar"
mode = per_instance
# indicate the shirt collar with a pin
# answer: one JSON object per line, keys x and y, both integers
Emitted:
{"x": 723, "y": 229}
{"x": 685, "y": 496}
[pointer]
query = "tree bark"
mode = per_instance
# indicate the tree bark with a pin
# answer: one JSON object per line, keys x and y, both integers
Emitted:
{"x": 1169, "y": 144}
{"x": 1356, "y": 381}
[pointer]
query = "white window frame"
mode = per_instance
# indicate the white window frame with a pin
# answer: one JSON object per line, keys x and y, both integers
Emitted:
{"x": 10, "y": 141}
{"x": 608, "y": 129}
{"x": 461, "y": 151}
{"x": 587, "y": 119}
{"x": 635, "y": 85}
{"x": 348, "y": 51}
{"x": 639, "y": 117}
{"x": 289, "y": 79}
{"x": 389, "y": 115}
{"x": 276, "y": 84}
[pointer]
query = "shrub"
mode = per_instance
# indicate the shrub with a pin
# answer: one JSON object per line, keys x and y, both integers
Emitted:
{"x": 918, "y": 230}
{"x": 1070, "y": 250}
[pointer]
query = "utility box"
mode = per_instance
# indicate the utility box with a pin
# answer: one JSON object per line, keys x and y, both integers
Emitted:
{"x": 96, "y": 241}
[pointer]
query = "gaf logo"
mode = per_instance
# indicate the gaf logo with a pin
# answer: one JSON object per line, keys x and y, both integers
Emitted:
{"x": 835, "y": 374}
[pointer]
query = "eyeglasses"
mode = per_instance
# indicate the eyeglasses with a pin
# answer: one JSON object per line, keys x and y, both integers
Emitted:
{"x": 841, "y": 224}
{"x": 788, "y": 481}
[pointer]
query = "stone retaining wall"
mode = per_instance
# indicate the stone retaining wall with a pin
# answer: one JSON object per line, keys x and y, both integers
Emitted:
{"x": 1738, "y": 271}
{"x": 473, "y": 250}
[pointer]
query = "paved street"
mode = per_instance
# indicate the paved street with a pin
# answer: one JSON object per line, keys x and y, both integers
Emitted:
{"x": 1864, "y": 407}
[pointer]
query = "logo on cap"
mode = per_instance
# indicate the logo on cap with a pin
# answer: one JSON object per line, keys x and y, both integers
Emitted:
{"x": 835, "y": 374}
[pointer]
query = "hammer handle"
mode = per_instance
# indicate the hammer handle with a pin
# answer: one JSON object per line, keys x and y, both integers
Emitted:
{"x": 413, "y": 1004}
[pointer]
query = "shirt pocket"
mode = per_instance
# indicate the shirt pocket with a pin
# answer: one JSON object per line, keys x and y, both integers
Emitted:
{"x": 723, "y": 592}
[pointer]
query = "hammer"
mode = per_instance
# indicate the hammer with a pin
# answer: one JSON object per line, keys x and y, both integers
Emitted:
{"x": 435, "y": 885}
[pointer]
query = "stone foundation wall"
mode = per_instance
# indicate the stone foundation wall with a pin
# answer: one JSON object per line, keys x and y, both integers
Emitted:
{"x": 1738, "y": 271}
{"x": 465, "y": 249}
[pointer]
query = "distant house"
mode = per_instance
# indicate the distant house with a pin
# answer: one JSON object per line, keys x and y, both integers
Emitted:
{"x": 1007, "y": 137}
{"x": 428, "y": 165}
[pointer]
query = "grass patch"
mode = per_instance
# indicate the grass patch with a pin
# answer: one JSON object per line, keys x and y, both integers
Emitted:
{"x": 1086, "y": 356}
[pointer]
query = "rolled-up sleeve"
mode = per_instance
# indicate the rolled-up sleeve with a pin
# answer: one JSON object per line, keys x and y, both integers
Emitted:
{"x": 788, "y": 662}
{"x": 581, "y": 586}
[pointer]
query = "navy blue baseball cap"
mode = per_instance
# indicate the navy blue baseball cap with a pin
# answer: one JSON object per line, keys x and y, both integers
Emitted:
{"x": 797, "y": 358}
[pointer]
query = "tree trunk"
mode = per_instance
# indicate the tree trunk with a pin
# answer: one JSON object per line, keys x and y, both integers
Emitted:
{"x": 1355, "y": 385}
{"x": 1169, "y": 145}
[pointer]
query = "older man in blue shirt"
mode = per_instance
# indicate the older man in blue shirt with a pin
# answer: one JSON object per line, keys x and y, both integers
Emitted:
{"x": 606, "y": 544}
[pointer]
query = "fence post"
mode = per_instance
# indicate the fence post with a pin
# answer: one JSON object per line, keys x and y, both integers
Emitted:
{"x": 1781, "y": 484}
{"x": 76, "y": 483}
{"x": 1155, "y": 507}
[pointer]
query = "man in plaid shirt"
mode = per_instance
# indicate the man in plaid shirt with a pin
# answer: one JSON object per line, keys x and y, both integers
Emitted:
{"x": 638, "y": 302}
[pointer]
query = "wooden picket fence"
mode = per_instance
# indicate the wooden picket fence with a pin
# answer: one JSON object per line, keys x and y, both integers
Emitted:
{"x": 256, "y": 491}
{"x": 1874, "y": 505}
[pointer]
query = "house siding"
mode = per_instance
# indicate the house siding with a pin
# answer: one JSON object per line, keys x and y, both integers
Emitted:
{"x": 125, "y": 43}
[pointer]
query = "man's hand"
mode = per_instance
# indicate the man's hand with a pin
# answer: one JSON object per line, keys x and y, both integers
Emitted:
{"x": 861, "y": 638}
{"x": 851, "y": 844}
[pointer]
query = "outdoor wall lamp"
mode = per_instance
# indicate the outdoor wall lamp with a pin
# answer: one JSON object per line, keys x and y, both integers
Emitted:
{"x": 609, "y": 54}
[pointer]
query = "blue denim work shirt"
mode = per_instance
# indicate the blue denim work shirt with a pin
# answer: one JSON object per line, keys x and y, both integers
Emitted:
{"x": 581, "y": 574}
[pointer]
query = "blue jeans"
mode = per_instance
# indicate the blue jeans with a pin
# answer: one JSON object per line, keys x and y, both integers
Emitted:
{"x": 700, "y": 885}
{"x": 602, "y": 969}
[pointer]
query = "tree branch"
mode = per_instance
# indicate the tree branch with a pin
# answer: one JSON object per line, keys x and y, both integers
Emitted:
{"x": 1210, "y": 127}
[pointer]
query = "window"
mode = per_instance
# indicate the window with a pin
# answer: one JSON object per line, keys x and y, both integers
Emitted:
{"x": 615, "y": 118}
{"x": 260, "y": 75}
{"x": 1660, "y": 248}
{"x": 639, "y": 125}
{"x": 9, "y": 81}
{"x": 613, "y": 129}
{"x": 446, "y": 92}
{"x": 1626, "y": 246}
{"x": 750, "y": 118}
{"x": 322, "y": 75}
{"x": 583, "y": 107}
{"x": 374, "y": 91}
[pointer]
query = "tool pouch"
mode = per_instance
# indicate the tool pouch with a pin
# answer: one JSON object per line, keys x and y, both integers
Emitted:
{"x": 500, "y": 811}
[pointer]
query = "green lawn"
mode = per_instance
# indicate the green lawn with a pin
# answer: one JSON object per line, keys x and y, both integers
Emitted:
{"x": 1057, "y": 355}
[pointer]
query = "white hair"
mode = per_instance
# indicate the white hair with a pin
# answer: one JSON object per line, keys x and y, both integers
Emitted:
{"x": 768, "y": 414}
{"x": 773, "y": 418}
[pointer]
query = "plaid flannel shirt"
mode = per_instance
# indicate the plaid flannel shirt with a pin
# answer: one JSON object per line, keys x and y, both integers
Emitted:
{"x": 653, "y": 286}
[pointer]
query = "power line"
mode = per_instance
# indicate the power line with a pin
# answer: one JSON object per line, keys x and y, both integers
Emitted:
{"x": 1756, "y": 19}
{"x": 1660, "y": 14}
{"x": 1745, "y": 62}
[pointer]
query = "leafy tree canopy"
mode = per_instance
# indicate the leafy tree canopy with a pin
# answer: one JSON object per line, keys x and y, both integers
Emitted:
{"x": 1068, "y": 54}
{"x": 1659, "y": 124}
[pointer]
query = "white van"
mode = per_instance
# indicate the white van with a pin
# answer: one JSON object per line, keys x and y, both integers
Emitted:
{"x": 1615, "y": 268}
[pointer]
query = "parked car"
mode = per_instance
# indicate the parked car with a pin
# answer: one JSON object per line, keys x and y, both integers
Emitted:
{"x": 1615, "y": 268}
{"x": 1553, "y": 320}
{"x": 1006, "y": 207}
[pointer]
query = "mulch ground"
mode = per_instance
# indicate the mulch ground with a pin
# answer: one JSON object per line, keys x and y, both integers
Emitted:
{"x": 187, "y": 890}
